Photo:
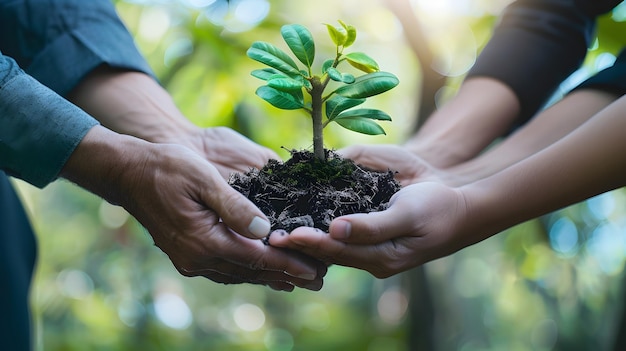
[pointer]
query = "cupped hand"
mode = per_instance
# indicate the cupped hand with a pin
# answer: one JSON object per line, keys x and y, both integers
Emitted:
{"x": 226, "y": 149}
{"x": 424, "y": 221}
{"x": 194, "y": 217}
{"x": 205, "y": 227}
{"x": 409, "y": 167}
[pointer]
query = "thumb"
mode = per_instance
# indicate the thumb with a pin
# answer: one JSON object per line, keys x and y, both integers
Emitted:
{"x": 237, "y": 212}
{"x": 371, "y": 228}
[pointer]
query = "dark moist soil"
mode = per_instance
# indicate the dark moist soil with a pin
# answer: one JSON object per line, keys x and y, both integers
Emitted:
{"x": 305, "y": 191}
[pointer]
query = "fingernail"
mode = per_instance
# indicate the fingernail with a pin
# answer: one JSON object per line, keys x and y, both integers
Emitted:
{"x": 341, "y": 230}
{"x": 259, "y": 227}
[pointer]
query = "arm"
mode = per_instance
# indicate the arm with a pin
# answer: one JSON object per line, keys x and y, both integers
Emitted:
{"x": 546, "y": 39}
{"x": 548, "y": 127}
{"x": 134, "y": 103}
{"x": 174, "y": 193}
{"x": 94, "y": 62}
{"x": 429, "y": 220}
{"x": 204, "y": 226}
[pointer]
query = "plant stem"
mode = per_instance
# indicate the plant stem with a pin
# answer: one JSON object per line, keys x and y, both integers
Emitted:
{"x": 316, "y": 117}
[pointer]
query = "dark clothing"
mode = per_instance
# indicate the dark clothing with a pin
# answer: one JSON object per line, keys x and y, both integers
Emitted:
{"x": 546, "y": 41}
{"x": 17, "y": 261}
{"x": 56, "y": 43}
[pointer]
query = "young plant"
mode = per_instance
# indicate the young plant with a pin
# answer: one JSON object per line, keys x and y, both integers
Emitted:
{"x": 287, "y": 83}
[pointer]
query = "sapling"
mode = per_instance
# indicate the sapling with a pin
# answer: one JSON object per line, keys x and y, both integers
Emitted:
{"x": 287, "y": 83}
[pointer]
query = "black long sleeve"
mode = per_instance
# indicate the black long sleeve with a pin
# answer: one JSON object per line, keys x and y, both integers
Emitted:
{"x": 537, "y": 44}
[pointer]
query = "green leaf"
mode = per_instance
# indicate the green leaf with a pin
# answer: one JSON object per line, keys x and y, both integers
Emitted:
{"x": 338, "y": 104}
{"x": 368, "y": 113}
{"x": 327, "y": 64}
{"x": 360, "y": 125}
{"x": 274, "y": 57}
{"x": 362, "y": 62}
{"x": 283, "y": 83}
{"x": 350, "y": 34}
{"x": 281, "y": 99}
{"x": 300, "y": 41}
{"x": 369, "y": 85}
{"x": 348, "y": 78}
{"x": 334, "y": 74}
{"x": 338, "y": 35}
{"x": 266, "y": 73}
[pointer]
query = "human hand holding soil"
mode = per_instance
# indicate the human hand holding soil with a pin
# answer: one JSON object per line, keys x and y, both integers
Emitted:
{"x": 204, "y": 226}
{"x": 389, "y": 242}
{"x": 226, "y": 149}
{"x": 408, "y": 167}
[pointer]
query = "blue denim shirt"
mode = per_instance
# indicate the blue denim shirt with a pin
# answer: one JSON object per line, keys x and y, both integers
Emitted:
{"x": 56, "y": 43}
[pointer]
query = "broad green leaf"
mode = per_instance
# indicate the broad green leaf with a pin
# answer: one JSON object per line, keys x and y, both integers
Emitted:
{"x": 274, "y": 57}
{"x": 285, "y": 83}
{"x": 338, "y": 104}
{"x": 334, "y": 74}
{"x": 266, "y": 73}
{"x": 350, "y": 34}
{"x": 368, "y": 113}
{"x": 360, "y": 125}
{"x": 338, "y": 35}
{"x": 348, "y": 78}
{"x": 300, "y": 41}
{"x": 368, "y": 85}
{"x": 362, "y": 62}
{"x": 327, "y": 64}
{"x": 281, "y": 99}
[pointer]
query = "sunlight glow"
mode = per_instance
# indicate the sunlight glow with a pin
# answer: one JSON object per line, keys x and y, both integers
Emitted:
{"x": 392, "y": 305}
{"x": 173, "y": 311}
{"x": 112, "y": 217}
{"x": 249, "y": 317}
{"x": 75, "y": 283}
{"x": 153, "y": 24}
{"x": 564, "y": 237}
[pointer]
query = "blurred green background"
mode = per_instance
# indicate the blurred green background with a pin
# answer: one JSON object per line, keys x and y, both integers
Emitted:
{"x": 555, "y": 283}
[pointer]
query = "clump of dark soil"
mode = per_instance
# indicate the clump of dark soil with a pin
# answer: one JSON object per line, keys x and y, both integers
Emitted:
{"x": 306, "y": 191}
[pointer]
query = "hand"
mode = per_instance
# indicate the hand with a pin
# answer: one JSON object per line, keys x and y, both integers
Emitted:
{"x": 193, "y": 215}
{"x": 410, "y": 168}
{"x": 226, "y": 149}
{"x": 424, "y": 222}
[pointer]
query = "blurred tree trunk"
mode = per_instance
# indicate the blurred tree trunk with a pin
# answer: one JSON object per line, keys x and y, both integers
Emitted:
{"x": 431, "y": 80}
{"x": 421, "y": 313}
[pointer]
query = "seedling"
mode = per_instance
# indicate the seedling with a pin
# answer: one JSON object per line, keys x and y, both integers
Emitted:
{"x": 287, "y": 83}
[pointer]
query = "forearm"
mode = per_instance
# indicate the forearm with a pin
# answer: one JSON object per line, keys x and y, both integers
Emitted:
{"x": 102, "y": 161}
{"x": 545, "y": 129}
{"x": 131, "y": 103}
{"x": 482, "y": 111}
{"x": 587, "y": 162}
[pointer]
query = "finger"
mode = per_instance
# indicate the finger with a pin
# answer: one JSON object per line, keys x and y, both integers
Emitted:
{"x": 227, "y": 280}
{"x": 372, "y": 228}
{"x": 380, "y": 260}
{"x": 254, "y": 260}
{"x": 239, "y": 213}
{"x": 354, "y": 152}
{"x": 310, "y": 241}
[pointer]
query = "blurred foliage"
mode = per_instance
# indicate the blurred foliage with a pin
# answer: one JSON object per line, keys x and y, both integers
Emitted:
{"x": 551, "y": 283}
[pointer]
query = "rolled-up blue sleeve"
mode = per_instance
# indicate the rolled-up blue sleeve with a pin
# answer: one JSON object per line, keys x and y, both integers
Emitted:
{"x": 58, "y": 42}
{"x": 38, "y": 128}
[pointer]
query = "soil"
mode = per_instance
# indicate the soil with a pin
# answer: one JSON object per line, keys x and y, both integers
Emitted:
{"x": 306, "y": 191}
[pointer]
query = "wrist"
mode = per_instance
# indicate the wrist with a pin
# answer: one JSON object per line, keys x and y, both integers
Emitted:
{"x": 103, "y": 161}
